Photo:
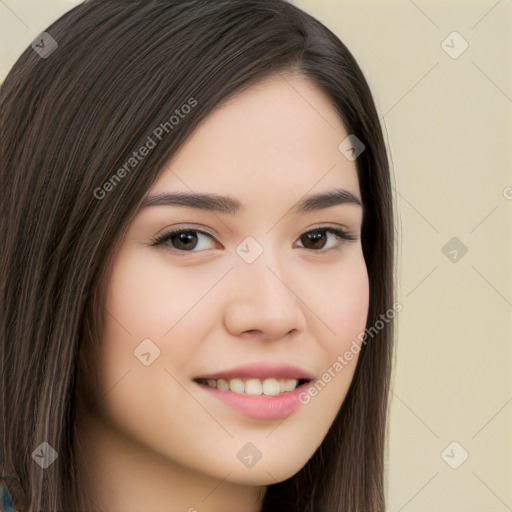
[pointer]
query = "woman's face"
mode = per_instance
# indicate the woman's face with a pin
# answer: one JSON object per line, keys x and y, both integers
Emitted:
{"x": 264, "y": 295}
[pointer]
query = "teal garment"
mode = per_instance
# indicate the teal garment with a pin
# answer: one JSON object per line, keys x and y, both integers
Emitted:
{"x": 6, "y": 504}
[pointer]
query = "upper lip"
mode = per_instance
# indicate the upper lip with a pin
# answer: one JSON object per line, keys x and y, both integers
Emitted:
{"x": 262, "y": 370}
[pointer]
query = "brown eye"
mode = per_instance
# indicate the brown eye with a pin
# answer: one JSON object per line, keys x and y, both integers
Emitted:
{"x": 184, "y": 240}
{"x": 314, "y": 239}
{"x": 319, "y": 239}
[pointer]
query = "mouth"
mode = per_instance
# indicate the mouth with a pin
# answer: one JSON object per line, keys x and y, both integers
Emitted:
{"x": 272, "y": 386}
{"x": 262, "y": 391}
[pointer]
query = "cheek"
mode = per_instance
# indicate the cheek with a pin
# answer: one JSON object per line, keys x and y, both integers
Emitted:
{"x": 340, "y": 300}
{"x": 148, "y": 298}
{"x": 350, "y": 311}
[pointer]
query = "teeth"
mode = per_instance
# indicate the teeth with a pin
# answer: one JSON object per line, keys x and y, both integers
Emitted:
{"x": 223, "y": 385}
{"x": 290, "y": 384}
{"x": 236, "y": 385}
{"x": 271, "y": 387}
{"x": 254, "y": 387}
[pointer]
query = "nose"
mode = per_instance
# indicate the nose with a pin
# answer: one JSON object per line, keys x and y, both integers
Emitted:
{"x": 262, "y": 302}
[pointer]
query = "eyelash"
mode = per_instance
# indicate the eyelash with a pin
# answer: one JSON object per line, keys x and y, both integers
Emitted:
{"x": 165, "y": 237}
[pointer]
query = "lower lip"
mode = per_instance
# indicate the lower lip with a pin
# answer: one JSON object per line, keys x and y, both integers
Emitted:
{"x": 260, "y": 407}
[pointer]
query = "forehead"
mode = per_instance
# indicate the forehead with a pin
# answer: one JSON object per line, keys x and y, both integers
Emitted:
{"x": 280, "y": 137}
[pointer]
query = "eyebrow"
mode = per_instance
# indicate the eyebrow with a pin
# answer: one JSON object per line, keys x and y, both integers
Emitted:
{"x": 230, "y": 205}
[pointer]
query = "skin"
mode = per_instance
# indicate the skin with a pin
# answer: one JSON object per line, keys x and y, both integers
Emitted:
{"x": 154, "y": 439}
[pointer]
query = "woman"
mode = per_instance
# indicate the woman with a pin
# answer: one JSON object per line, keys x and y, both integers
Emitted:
{"x": 197, "y": 238}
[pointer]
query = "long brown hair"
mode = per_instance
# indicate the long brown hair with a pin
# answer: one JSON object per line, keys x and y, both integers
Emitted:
{"x": 70, "y": 121}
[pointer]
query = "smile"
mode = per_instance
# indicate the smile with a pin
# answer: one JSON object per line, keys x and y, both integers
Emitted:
{"x": 254, "y": 387}
{"x": 263, "y": 391}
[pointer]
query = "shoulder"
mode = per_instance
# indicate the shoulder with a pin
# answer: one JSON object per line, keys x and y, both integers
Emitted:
{"x": 6, "y": 504}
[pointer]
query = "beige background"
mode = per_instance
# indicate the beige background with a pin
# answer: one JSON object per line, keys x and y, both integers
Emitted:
{"x": 449, "y": 131}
